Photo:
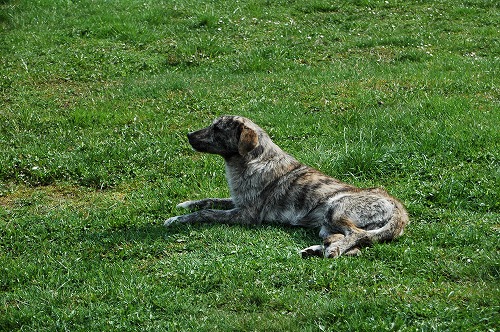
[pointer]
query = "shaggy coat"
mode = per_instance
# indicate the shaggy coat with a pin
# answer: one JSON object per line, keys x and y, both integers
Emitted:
{"x": 269, "y": 185}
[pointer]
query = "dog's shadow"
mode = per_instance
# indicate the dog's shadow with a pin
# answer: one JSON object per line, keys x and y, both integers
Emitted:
{"x": 125, "y": 234}
{"x": 113, "y": 241}
{"x": 237, "y": 235}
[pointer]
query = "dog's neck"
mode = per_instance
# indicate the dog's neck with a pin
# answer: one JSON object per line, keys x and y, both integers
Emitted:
{"x": 245, "y": 174}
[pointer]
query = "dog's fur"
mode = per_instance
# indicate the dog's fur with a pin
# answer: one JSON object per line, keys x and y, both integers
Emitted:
{"x": 269, "y": 185}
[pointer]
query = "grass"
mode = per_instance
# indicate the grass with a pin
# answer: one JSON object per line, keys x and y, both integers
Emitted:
{"x": 96, "y": 99}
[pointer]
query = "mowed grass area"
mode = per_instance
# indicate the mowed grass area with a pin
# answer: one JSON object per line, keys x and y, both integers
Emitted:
{"x": 96, "y": 99}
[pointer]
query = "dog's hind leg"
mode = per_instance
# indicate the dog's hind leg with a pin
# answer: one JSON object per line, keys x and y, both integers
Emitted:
{"x": 338, "y": 244}
{"x": 312, "y": 251}
{"x": 331, "y": 248}
{"x": 346, "y": 240}
{"x": 345, "y": 245}
{"x": 357, "y": 238}
{"x": 208, "y": 203}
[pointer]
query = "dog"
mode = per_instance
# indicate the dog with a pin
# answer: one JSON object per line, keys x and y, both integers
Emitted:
{"x": 269, "y": 185}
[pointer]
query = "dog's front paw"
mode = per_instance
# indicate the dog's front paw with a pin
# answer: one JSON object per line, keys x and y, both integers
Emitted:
{"x": 186, "y": 205}
{"x": 171, "y": 221}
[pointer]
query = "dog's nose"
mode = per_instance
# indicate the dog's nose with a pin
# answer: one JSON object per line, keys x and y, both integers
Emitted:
{"x": 190, "y": 137}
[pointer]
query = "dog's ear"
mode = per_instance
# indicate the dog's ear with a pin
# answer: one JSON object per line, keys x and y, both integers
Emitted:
{"x": 248, "y": 140}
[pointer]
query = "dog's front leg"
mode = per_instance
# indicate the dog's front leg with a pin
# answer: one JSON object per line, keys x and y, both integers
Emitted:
{"x": 208, "y": 203}
{"x": 233, "y": 216}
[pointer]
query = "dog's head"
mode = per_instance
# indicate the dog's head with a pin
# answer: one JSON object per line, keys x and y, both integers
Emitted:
{"x": 227, "y": 136}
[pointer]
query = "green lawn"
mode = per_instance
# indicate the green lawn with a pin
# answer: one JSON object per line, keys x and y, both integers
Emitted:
{"x": 96, "y": 98}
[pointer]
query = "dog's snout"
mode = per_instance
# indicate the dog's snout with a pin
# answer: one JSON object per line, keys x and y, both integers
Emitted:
{"x": 202, "y": 141}
{"x": 194, "y": 135}
{"x": 190, "y": 137}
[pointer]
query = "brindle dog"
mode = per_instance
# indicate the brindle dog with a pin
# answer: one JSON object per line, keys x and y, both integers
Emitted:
{"x": 269, "y": 185}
